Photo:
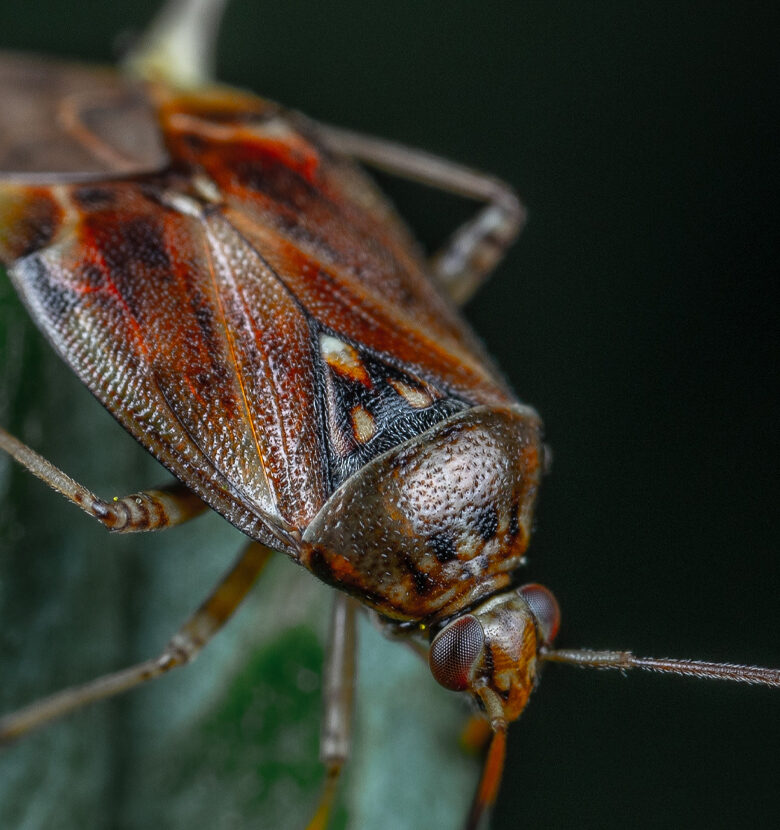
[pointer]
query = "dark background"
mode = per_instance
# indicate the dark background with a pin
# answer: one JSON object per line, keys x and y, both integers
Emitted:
{"x": 637, "y": 315}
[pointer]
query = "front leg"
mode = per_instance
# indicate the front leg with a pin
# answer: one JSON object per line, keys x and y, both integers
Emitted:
{"x": 170, "y": 505}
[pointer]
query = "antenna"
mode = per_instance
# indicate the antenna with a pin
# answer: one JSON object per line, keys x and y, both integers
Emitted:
{"x": 624, "y": 660}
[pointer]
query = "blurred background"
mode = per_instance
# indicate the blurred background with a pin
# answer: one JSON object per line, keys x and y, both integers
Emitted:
{"x": 637, "y": 313}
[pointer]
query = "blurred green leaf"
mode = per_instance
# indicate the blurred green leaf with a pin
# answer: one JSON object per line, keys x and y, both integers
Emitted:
{"x": 229, "y": 742}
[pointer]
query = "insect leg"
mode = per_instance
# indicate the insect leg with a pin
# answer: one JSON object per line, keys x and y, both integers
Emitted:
{"x": 182, "y": 648}
{"x": 146, "y": 510}
{"x": 487, "y": 791}
{"x": 338, "y": 689}
{"x": 476, "y": 247}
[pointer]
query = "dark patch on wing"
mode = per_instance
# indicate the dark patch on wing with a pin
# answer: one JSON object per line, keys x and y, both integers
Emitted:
{"x": 274, "y": 179}
{"x": 56, "y": 299}
{"x": 144, "y": 238}
{"x": 194, "y": 142}
{"x": 204, "y": 317}
{"x": 28, "y": 226}
{"x": 134, "y": 254}
{"x": 319, "y": 566}
{"x": 91, "y": 197}
{"x": 38, "y": 237}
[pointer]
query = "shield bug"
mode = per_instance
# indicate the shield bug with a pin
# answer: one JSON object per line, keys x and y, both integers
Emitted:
{"x": 334, "y": 351}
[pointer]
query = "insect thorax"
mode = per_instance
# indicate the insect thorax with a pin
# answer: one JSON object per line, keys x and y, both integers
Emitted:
{"x": 436, "y": 523}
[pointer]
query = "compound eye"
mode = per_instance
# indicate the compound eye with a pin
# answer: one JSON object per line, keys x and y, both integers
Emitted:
{"x": 545, "y": 609}
{"x": 454, "y": 651}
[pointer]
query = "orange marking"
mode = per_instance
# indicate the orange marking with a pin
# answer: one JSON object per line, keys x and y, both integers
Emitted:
{"x": 341, "y": 568}
{"x": 491, "y": 778}
{"x": 274, "y": 138}
{"x": 90, "y": 242}
{"x": 343, "y": 359}
{"x": 320, "y": 819}
{"x": 494, "y": 766}
{"x": 194, "y": 391}
{"x": 279, "y": 141}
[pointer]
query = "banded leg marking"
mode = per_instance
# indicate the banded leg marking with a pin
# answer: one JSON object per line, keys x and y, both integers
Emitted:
{"x": 170, "y": 505}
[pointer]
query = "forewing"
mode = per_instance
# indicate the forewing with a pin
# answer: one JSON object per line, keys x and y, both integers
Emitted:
{"x": 181, "y": 332}
{"x": 254, "y": 314}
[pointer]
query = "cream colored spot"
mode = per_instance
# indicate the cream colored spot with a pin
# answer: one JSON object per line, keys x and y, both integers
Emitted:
{"x": 363, "y": 424}
{"x": 181, "y": 203}
{"x": 275, "y": 127}
{"x": 206, "y": 189}
{"x": 343, "y": 359}
{"x": 415, "y": 397}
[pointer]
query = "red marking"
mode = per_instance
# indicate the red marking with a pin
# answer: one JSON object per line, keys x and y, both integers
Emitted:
{"x": 195, "y": 391}
{"x": 93, "y": 243}
{"x": 293, "y": 153}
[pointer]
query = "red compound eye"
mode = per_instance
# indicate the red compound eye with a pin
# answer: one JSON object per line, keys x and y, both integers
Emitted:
{"x": 454, "y": 651}
{"x": 545, "y": 609}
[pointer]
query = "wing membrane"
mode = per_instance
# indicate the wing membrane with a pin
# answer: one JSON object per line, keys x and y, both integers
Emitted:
{"x": 69, "y": 122}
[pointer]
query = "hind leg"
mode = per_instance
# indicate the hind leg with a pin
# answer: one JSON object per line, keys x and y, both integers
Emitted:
{"x": 181, "y": 649}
